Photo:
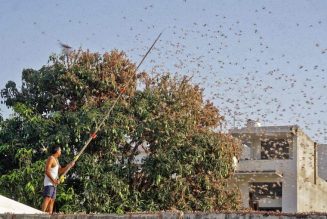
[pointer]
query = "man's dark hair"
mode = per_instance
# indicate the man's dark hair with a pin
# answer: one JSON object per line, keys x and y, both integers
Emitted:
{"x": 55, "y": 149}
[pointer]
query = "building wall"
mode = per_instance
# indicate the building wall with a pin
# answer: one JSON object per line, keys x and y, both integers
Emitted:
{"x": 288, "y": 179}
{"x": 311, "y": 189}
{"x": 304, "y": 174}
{"x": 286, "y": 167}
{"x": 171, "y": 215}
{"x": 322, "y": 161}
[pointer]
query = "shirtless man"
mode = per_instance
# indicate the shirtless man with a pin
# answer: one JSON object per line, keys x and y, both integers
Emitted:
{"x": 51, "y": 179}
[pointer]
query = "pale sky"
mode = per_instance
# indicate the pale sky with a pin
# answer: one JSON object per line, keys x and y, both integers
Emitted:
{"x": 263, "y": 60}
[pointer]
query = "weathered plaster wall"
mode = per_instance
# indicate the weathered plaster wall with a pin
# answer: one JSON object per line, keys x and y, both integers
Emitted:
{"x": 311, "y": 189}
{"x": 169, "y": 215}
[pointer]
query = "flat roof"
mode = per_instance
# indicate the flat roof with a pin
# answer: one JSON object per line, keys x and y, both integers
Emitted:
{"x": 271, "y": 130}
{"x": 263, "y": 129}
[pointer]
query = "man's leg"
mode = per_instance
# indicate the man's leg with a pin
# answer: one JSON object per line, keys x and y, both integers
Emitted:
{"x": 49, "y": 197}
{"x": 51, "y": 206}
{"x": 53, "y": 198}
{"x": 45, "y": 204}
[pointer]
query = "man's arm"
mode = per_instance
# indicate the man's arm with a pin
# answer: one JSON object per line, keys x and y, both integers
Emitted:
{"x": 63, "y": 169}
{"x": 48, "y": 165}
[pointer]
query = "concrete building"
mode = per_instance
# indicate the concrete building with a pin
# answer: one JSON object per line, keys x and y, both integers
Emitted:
{"x": 10, "y": 206}
{"x": 278, "y": 169}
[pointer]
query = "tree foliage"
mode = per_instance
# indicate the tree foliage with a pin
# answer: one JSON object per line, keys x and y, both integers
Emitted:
{"x": 187, "y": 163}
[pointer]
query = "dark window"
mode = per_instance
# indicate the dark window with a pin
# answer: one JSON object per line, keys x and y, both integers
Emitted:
{"x": 261, "y": 190}
{"x": 275, "y": 149}
{"x": 271, "y": 209}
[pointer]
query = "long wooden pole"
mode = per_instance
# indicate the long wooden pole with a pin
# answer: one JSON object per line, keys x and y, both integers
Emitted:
{"x": 93, "y": 135}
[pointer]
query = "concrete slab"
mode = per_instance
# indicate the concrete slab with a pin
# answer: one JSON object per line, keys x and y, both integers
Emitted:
{"x": 8, "y": 205}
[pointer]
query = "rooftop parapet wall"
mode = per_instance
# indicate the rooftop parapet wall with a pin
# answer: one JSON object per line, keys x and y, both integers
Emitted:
{"x": 266, "y": 130}
{"x": 172, "y": 215}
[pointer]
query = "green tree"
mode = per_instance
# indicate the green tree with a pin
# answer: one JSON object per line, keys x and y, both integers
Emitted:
{"x": 188, "y": 164}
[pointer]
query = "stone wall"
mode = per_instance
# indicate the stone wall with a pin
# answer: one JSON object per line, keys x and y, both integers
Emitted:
{"x": 170, "y": 215}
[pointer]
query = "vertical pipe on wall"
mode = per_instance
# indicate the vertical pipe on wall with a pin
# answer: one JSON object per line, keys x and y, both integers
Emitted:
{"x": 315, "y": 163}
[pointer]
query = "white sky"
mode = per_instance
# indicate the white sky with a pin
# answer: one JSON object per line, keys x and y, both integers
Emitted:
{"x": 256, "y": 59}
